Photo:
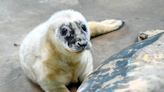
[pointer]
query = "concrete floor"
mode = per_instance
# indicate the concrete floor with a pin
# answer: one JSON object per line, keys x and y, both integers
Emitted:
{"x": 18, "y": 17}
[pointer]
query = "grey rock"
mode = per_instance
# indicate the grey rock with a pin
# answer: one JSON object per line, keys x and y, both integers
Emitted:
{"x": 138, "y": 68}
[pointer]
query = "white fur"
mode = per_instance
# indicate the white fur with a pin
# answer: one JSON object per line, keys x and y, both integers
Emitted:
{"x": 32, "y": 53}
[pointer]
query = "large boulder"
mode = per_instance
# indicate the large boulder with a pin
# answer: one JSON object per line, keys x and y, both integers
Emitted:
{"x": 138, "y": 68}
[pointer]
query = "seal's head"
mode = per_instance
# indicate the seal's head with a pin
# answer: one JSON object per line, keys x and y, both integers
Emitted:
{"x": 71, "y": 31}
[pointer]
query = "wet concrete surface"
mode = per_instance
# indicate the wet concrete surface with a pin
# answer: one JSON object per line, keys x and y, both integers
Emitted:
{"x": 18, "y": 17}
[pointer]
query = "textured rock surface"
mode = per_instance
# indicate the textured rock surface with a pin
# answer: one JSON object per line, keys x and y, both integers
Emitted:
{"x": 139, "y": 68}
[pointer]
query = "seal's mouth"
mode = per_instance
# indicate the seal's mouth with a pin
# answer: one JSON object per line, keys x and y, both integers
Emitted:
{"x": 78, "y": 46}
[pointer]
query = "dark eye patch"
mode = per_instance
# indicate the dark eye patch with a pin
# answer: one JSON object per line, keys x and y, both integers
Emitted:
{"x": 63, "y": 31}
{"x": 84, "y": 28}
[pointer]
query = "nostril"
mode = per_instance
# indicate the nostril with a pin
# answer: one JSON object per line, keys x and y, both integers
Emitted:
{"x": 82, "y": 44}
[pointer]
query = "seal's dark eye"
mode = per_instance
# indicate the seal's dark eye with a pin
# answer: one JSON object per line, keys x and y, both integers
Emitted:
{"x": 84, "y": 27}
{"x": 63, "y": 31}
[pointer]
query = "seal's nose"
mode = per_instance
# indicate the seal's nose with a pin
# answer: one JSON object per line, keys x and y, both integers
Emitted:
{"x": 82, "y": 44}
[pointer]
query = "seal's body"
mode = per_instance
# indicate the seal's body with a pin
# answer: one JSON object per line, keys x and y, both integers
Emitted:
{"x": 57, "y": 52}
